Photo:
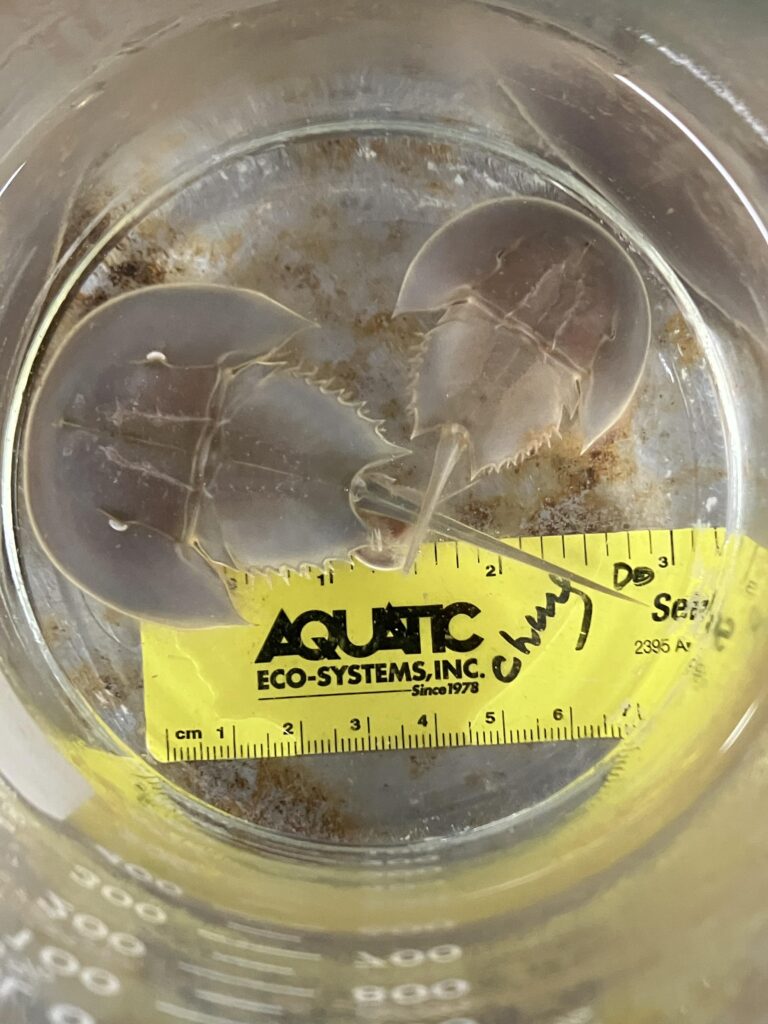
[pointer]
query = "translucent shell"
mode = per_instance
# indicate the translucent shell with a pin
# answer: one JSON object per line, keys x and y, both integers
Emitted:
{"x": 546, "y": 315}
{"x": 160, "y": 444}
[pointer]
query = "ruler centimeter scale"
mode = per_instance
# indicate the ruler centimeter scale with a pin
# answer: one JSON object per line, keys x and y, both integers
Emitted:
{"x": 467, "y": 649}
{"x": 180, "y": 749}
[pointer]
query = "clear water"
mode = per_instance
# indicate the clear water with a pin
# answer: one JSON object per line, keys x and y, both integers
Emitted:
{"x": 326, "y": 222}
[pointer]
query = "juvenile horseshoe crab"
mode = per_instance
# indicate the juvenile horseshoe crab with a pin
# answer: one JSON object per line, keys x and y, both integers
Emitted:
{"x": 162, "y": 443}
{"x": 546, "y": 319}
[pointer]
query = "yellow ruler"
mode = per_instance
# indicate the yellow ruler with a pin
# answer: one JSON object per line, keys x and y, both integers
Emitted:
{"x": 466, "y": 649}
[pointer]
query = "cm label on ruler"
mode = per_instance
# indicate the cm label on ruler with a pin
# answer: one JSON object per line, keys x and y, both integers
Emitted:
{"x": 437, "y": 655}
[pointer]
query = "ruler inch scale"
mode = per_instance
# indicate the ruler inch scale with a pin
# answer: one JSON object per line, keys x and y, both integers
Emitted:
{"x": 469, "y": 649}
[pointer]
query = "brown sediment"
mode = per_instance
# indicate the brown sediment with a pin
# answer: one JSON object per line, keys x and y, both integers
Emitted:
{"x": 126, "y": 268}
{"x": 418, "y": 151}
{"x": 678, "y": 333}
{"x": 403, "y": 334}
{"x": 103, "y": 687}
{"x": 343, "y": 376}
{"x": 578, "y": 503}
{"x": 340, "y": 151}
{"x": 477, "y": 514}
{"x": 438, "y": 188}
{"x": 393, "y": 409}
{"x": 87, "y": 301}
{"x": 421, "y": 761}
{"x": 277, "y": 794}
{"x": 568, "y": 496}
{"x": 52, "y": 630}
{"x": 378, "y": 325}
{"x": 88, "y": 219}
{"x": 137, "y": 272}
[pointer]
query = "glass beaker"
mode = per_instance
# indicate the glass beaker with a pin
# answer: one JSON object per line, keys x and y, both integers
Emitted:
{"x": 308, "y": 149}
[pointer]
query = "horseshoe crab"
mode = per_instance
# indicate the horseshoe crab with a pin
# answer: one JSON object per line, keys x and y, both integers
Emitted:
{"x": 545, "y": 319}
{"x": 161, "y": 444}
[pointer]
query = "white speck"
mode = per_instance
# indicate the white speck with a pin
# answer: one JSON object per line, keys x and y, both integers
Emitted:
{"x": 155, "y": 357}
{"x": 670, "y": 210}
{"x": 458, "y": 180}
{"x": 710, "y": 503}
{"x": 118, "y": 525}
{"x": 431, "y": 165}
{"x": 79, "y": 104}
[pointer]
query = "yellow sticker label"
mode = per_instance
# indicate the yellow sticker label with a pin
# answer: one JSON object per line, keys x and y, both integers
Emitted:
{"x": 466, "y": 649}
